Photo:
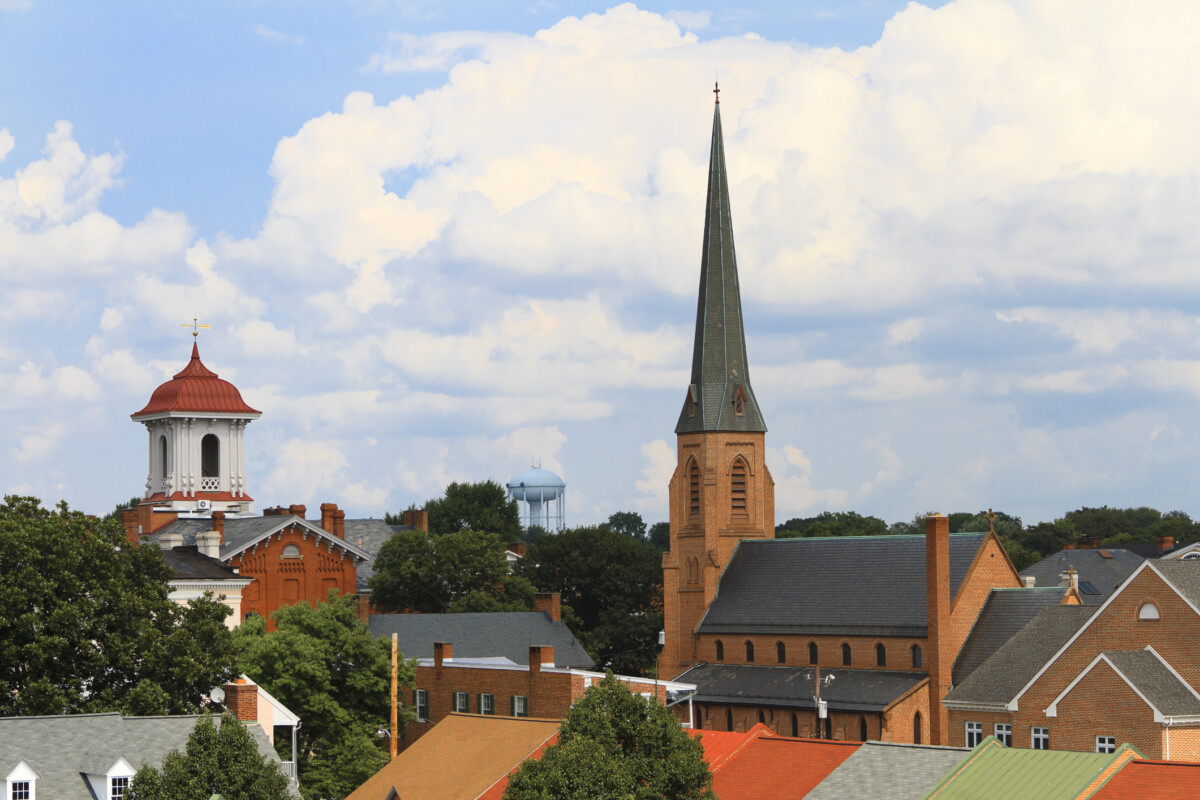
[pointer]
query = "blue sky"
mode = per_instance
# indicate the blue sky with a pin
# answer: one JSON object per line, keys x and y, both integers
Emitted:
{"x": 440, "y": 241}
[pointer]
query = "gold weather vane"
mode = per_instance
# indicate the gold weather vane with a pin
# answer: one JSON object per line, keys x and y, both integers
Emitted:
{"x": 195, "y": 326}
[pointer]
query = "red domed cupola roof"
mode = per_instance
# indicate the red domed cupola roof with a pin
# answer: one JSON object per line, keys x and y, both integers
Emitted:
{"x": 196, "y": 389}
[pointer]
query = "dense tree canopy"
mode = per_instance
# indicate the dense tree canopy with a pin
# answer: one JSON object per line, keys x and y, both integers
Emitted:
{"x": 660, "y": 535}
{"x": 629, "y": 523}
{"x": 87, "y": 624}
{"x": 832, "y": 523}
{"x": 483, "y": 506}
{"x": 611, "y": 587}
{"x": 614, "y": 744}
{"x": 462, "y": 571}
{"x": 324, "y": 665}
{"x": 224, "y": 761}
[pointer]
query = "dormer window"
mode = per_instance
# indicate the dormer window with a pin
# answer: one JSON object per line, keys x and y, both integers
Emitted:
{"x": 118, "y": 778}
{"x": 739, "y": 402}
{"x": 118, "y": 788}
{"x": 21, "y": 783}
{"x": 690, "y": 402}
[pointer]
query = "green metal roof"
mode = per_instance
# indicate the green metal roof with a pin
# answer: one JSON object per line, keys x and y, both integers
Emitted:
{"x": 993, "y": 770}
{"x": 719, "y": 366}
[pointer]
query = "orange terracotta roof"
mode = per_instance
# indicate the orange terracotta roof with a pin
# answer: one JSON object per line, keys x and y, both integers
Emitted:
{"x": 719, "y": 746}
{"x": 196, "y": 388}
{"x": 1161, "y": 780}
{"x": 485, "y": 750}
{"x": 779, "y": 768}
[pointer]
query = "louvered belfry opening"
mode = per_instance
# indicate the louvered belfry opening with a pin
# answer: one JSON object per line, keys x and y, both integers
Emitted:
{"x": 694, "y": 482}
{"x": 738, "y": 481}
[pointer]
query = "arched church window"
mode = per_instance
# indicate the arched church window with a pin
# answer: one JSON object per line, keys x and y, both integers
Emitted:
{"x": 729, "y": 719}
{"x": 694, "y": 486}
{"x": 738, "y": 481}
{"x": 780, "y": 652}
{"x": 862, "y": 729}
{"x": 720, "y": 648}
{"x": 210, "y": 456}
{"x": 749, "y": 652}
{"x": 795, "y": 726}
{"x": 845, "y": 655}
{"x": 916, "y": 656}
{"x": 917, "y": 728}
{"x": 880, "y": 655}
{"x": 812, "y": 652}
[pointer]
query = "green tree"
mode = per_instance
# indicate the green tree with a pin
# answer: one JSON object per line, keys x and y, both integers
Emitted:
{"x": 660, "y": 535}
{"x": 629, "y": 523}
{"x": 832, "y": 523}
{"x": 611, "y": 591}
{"x": 464, "y": 570}
{"x": 1005, "y": 524}
{"x": 324, "y": 665}
{"x": 88, "y": 624}
{"x": 616, "y": 745}
{"x": 222, "y": 760}
{"x": 483, "y": 506}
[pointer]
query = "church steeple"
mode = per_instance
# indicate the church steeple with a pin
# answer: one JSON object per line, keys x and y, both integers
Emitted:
{"x": 719, "y": 397}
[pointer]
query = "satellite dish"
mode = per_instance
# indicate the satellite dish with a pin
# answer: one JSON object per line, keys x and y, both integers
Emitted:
{"x": 217, "y": 695}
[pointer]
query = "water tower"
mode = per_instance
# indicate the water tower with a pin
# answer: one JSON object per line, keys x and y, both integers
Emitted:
{"x": 542, "y": 492}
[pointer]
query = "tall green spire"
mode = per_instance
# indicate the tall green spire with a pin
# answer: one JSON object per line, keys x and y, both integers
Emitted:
{"x": 719, "y": 397}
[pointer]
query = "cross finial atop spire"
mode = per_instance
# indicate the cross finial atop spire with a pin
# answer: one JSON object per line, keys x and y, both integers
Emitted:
{"x": 717, "y": 91}
{"x": 195, "y": 326}
{"x": 991, "y": 518}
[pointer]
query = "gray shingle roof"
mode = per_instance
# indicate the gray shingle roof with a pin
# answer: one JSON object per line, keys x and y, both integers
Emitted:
{"x": 1104, "y": 569}
{"x": 1184, "y": 575}
{"x": 369, "y": 535}
{"x": 719, "y": 363}
{"x": 243, "y": 531}
{"x": 887, "y": 771}
{"x": 1005, "y": 612}
{"x": 187, "y": 564}
{"x": 507, "y": 633}
{"x": 792, "y": 687}
{"x": 1150, "y": 676}
{"x": 1000, "y": 677}
{"x": 61, "y": 749}
{"x": 842, "y": 585}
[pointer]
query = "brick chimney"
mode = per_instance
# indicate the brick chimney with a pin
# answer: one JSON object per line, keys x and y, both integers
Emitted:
{"x": 339, "y": 524}
{"x": 518, "y": 548}
{"x": 297, "y": 510}
{"x": 442, "y": 651}
{"x": 327, "y": 510}
{"x": 416, "y": 517}
{"x": 550, "y": 603}
{"x": 937, "y": 600}
{"x": 133, "y": 530}
{"x": 540, "y": 654}
{"x": 218, "y": 524}
{"x": 241, "y": 698}
{"x": 1165, "y": 543}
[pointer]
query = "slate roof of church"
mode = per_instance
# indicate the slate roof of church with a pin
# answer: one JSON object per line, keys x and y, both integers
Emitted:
{"x": 369, "y": 534}
{"x": 505, "y": 633}
{"x": 889, "y": 771}
{"x": 1000, "y": 677}
{"x": 1005, "y": 612}
{"x": 719, "y": 362}
{"x": 61, "y": 749}
{"x": 793, "y": 687}
{"x": 1104, "y": 570}
{"x": 840, "y": 585}
{"x": 1162, "y": 688}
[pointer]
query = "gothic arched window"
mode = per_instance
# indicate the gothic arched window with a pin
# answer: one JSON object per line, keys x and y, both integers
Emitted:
{"x": 729, "y": 719}
{"x": 720, "y": 648}
{"x": 694, "y": 486}
{"x": 862, "y": 729}
{"x": 916, "y": 656}
{"x": 795, "y": 726}
{"x": 917, "y": 728}
{"x": 845, "y": 655}
{"x": 780, "y": 652}
{"x": 738, "y": 488}
{"x": 812, "y": 652}
{"x": 749, "y": 652}
{"x": 880, "y": 655}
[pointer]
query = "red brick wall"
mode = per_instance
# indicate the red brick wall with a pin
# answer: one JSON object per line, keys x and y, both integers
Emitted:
{"x": 899, "y": 718}
{"x": 842, "y": 726}
{"x": 282, "y": 581}
{"x": 829, "y": 650}
{"x": 1102, "y": 704}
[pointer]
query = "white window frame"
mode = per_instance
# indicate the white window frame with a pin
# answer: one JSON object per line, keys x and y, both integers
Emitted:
{"x": 1039, "y": 735}
{"x": 487, "y": 703}
{"x": 21, "y": 773}
{"x": 421, "y": 701}
{"x": 974, "y": 734}
{"x": 1003, "y": 731}
{"x": 520, "y": 705}
{"x": 1106, "y": 744}
{"x": 462, "y": 703}
{"x": 121, "y": 781}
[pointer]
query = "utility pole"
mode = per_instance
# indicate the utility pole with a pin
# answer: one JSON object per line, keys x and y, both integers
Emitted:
{"x": 395, "y": 686}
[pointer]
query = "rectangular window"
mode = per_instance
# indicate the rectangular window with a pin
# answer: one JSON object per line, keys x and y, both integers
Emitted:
{"x": 461, "y": 704}
{"x": 974, "y": 733}
{"x": 520, "y": 706}
{"x": 487, "y": 704}
{"x": 120, "y": 786}
{"x": 1106, "y": 744}
{"x": 421, "y": 701}
{"x": 1040, "y": 739}
{"x": 1004, "y": 733}
{"x": 20, "y": 790}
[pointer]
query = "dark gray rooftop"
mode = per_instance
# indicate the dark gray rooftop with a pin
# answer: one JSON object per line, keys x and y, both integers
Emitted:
{"x": 1100, "y": 571}
{"x": 1000, "y": 677}
{"x": 506, "y": 633}
{"x": 187, "y": 564}
{"x": 888, "y": 771}
{"x": 369, "y": 535}
{"x": 719, "y": 362}
{"x": 63, "y": 749}
{"x": 842, "y": 585}
{"x": 1150, "y": 676}
{"x": 793, "y": 687}
{"x": 1005, "y": 612}
{"x": 240, "y": 532}
{"x": 1183, "y": 575}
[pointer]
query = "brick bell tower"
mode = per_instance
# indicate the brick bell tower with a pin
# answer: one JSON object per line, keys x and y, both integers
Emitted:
{"x": 721, "y": 491}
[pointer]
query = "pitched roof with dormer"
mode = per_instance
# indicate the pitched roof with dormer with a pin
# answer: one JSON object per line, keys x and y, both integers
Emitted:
{"x": 197, "y": 390}
{"x": 244, "y": 533}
